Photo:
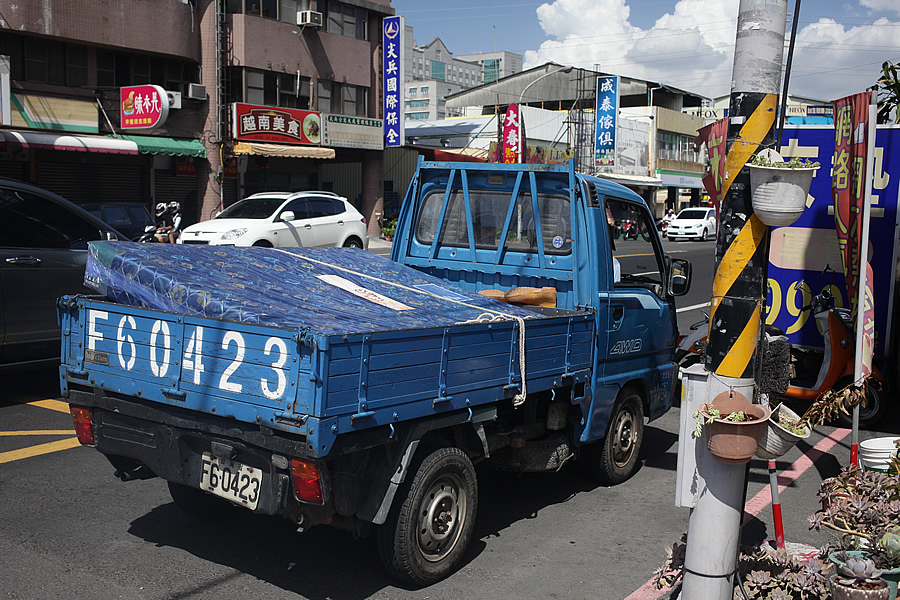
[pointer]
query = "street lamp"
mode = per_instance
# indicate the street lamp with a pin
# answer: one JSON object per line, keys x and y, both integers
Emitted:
{"x": 566, "y": 69}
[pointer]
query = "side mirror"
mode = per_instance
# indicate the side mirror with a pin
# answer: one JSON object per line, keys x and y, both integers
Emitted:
{"x": 286, "y": 216}
{"x": 679, "y": 279}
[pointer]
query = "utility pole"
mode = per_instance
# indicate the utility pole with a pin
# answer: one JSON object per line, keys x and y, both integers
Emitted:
{"x": 739, "y": 289}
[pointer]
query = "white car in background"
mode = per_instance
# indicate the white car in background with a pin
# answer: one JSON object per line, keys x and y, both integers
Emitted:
{"x": 698, "y": 223}
{"x": 283, "y": 220}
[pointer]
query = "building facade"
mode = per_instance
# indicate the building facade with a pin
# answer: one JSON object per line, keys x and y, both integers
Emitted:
{"x": 274, "y": 60}
{"x": 495, "y": 65}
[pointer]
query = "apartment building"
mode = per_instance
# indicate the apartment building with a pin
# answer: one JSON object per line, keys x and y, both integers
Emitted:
{"x": 240, "y": 77}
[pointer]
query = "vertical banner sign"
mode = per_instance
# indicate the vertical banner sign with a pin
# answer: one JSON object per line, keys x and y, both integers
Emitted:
{"x": 143, "y": 106}
{"x": 393, "y": 82}
{"x": 607, "y": 112}
{"x": 714, "y": 136}
{"x": 5, "y": 95}
{"x": 800, "y": 253}
{"x": 512, "y": 130}
{"x": 848, "y": 184}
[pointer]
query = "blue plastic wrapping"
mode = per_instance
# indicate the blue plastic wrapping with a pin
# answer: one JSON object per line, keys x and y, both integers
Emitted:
{"x": 325, "y": 290}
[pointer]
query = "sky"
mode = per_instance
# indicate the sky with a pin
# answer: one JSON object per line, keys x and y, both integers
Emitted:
{"x": 687, "y": 44}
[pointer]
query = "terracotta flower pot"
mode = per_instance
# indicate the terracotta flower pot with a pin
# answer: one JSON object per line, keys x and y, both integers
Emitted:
{"x": 729, "y": 441}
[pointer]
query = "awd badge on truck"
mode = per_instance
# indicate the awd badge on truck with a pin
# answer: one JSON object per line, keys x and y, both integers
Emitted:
{"x": 627, "y": 347}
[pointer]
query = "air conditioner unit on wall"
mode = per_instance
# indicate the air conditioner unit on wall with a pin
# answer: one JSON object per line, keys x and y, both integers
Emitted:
{"x": 195, "y": 91}
{"x": 174, "y": 99}
{"x": 309, "y": 17}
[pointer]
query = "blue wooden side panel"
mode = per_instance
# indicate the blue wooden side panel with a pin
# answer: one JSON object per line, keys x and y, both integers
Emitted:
{"x": 249, "y": 372}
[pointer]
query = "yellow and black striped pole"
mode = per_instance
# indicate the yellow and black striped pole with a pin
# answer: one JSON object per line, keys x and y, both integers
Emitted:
{"x": 741, "y": 255}
{"x": 739, "y": 287}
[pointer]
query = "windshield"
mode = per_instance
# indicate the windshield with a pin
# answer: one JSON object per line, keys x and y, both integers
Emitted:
{"x": 251, "y": 208}
{"x": 692, "y": 214}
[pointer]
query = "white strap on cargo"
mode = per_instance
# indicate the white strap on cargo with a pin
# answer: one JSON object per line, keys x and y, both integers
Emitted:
{"x": 486, "y": 315}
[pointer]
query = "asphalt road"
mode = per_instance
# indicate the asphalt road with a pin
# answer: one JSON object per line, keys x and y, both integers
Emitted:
{"x": 68, "y": 528}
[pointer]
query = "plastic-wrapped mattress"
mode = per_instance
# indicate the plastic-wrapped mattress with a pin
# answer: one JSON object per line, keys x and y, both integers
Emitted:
{"x": 327, "y": 290}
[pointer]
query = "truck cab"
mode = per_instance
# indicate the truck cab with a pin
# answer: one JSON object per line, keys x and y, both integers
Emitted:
{"x": 494, "y": 228}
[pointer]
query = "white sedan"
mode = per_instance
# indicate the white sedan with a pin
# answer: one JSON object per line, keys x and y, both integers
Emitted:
{"x": 695, "y": 223}
{"x": 283, "y": 219}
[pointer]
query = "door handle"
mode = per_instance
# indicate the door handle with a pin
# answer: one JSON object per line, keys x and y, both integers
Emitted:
{"x": 341, "y": 223}
{"x": 308, "y": 226}
{"x": 25, "y": 261}
{"x": 618, "y": 314}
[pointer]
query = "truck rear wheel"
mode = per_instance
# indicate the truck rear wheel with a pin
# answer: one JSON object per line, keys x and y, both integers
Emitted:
{"x": 614, "y": 459}
{"x": 199, "y": 504}
{"x": 427, "y": 533}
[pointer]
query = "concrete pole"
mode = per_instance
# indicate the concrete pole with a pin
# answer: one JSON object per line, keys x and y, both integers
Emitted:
{"x": 738, "y": 288}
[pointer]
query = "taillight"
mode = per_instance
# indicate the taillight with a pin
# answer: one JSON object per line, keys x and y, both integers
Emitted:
{"x": 307, "y": 485}
{"x": 84, "y": 429}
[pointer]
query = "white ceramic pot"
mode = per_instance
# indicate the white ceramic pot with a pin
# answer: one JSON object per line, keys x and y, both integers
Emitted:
{"x": 779, "y": 194}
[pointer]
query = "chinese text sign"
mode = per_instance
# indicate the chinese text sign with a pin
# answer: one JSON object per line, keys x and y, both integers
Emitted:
{"x": 607, "y": 111}
{"x": 393, "y": 81}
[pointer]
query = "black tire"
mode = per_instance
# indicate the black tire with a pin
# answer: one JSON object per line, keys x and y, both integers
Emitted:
{"x": 615, "y": 458}
{"x": 870, "y": 414}
{"x": 430, "y": 524}
{"x": 353, "y": 243}
{"x": 263, "y": 244}
{"x": 703, "y": 236}
{"x": 199, "y": 504}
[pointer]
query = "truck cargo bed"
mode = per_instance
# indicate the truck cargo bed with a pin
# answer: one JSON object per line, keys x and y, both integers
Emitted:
{"x": 321, "y": 377}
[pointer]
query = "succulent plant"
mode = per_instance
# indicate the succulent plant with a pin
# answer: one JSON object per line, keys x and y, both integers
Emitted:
{"x": 857, "y": 570}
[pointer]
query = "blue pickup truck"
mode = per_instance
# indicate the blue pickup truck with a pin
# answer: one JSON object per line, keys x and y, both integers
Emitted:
{"x": 513, "y": 326}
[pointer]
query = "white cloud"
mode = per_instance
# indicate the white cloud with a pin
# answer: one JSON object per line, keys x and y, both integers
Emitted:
{"x": 881, "y": 5}
{"x": 692, "y": 47}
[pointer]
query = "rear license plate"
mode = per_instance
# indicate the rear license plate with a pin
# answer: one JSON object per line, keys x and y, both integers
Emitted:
{"x": 231, "y": 480}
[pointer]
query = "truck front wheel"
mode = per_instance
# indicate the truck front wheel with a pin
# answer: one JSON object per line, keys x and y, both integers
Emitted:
{"x": 615, "y": 458}
{"x": 427, "y": 533}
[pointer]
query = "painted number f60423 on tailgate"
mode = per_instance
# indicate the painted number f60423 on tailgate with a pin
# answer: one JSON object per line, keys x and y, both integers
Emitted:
{"x": 232, "y": 361}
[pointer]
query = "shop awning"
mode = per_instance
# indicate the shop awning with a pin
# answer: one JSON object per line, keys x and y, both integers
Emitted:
{"x": 152, "y": 144}
{"x": 452, "y": 154}
{"x": 56, "y": 141}
{"x": 283, "y": 150}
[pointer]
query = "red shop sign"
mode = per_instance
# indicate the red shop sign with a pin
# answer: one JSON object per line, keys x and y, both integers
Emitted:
{"x": 143, "y": 106}
{"x": 275, "y": 125}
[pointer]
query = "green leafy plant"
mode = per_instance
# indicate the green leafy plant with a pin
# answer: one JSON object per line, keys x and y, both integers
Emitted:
{"x": 888, "y": 88}
{"x": 712, "y": 414}
{"x": 794, "y": 162}
{"x": 792, "y": 425}
{"x": 389, "y": 228}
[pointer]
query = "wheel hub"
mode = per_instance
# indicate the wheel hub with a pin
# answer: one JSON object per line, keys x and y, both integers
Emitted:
{"x": 441, "y": 514}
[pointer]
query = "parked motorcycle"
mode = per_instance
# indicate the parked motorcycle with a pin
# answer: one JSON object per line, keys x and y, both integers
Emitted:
{"x": 628, "y": 229}
{"x": 813, "y": 371}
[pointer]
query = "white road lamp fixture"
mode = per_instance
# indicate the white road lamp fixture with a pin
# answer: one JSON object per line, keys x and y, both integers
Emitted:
{"x": 566, "y": 69}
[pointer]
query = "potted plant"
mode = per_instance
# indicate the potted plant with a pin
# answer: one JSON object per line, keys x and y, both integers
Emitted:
{"x": 733, "y": 426}
{"x": 862, "y": 509}
{"x": 783, "y": 430}
{"x": 857, "y": 578}
{"x": 388, "y": 229}
{"x": 779, "y": 188}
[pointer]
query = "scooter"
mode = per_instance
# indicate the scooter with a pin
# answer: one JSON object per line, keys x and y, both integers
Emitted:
{"x": 833, "y": 367}
{"x": 628, "y": 229}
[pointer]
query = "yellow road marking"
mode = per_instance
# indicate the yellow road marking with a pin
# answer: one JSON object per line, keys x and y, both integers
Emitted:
{"x": 648, "y": 254}
{"x": 56, "y": 405}
{"x": 6, "y": 457}
{"x": 47, "y": 432}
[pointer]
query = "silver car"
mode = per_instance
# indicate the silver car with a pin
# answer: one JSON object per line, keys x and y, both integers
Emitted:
{"x": 43, "y": 252}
